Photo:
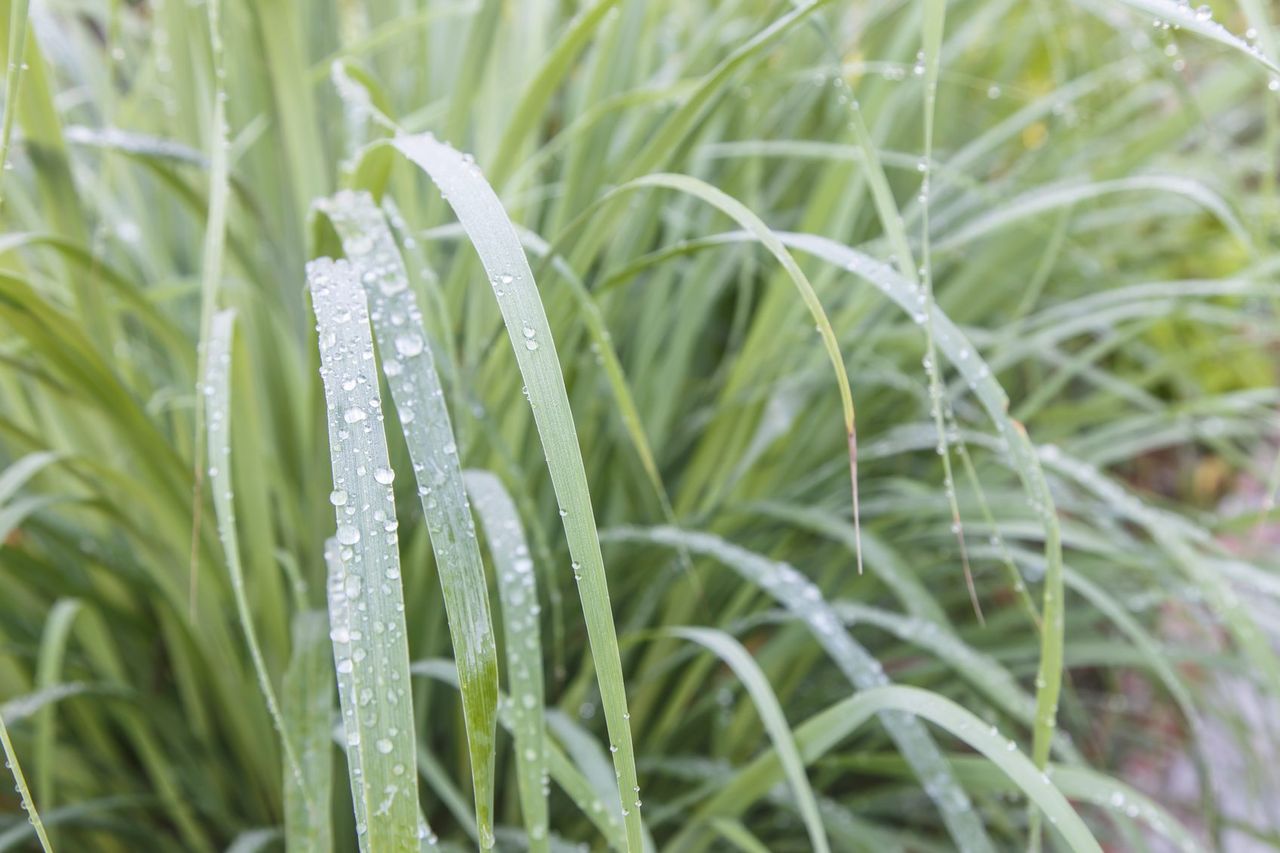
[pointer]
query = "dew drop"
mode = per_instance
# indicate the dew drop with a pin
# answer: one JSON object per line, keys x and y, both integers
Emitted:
{"x": 409, "y": 345}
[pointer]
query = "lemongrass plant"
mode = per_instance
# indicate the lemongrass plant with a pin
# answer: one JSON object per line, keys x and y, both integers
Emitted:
{"x": 638, "y": 426}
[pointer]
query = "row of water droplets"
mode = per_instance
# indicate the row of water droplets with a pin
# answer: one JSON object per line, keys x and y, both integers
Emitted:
{"x": 894, "y": 72}
{"x": 365, "y": 595}
{"x": 504, "y": 287}
{"x": 215, "y": 389}
{"x": 1169, "y": 17}
{"x": 408, "y": 363}
{"x": 940, "y": 409}
{"x": 1174, "y": 16}
{"x": 920, "y": 281}
{"x": 20, "y": 786}
{"x": 163, "y": 57}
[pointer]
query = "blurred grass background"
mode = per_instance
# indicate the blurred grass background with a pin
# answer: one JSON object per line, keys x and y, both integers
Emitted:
{"x": 1102, "y": 222}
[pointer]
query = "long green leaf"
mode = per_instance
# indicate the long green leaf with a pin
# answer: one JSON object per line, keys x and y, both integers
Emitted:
{"x": 307, "y": 704}
{"x": 366, "y": 600}
{"x": 818, "y": 735}
{"x": 210, "y": 280}
{"x": 53, "y": 647}
{"x": 518, "y": 592}
{"x": 749, "y": 673}
{"x": 24, "y": 793}
{"x": 217, "y": 387}
{"x": 13, "y": 75}
{"x": 571, "y": 780}
{"x": 490, "y": 230}
{"x": 433, "y": 449}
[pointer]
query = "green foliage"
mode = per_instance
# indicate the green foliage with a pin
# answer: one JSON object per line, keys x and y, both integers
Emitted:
{"x": 601, "y": 266}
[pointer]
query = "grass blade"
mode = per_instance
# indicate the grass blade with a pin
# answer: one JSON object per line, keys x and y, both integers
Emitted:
{"x": 570, "y": 779}
{"x": 215, "y": 236}
{"x": 18, "y": 473}
{"x": 415, "y": 387}
{"x": 217, "y": 387}
{"x": 295, "y": 108}
{"x": 542, "y": 85}
{"x": 366, "y": 600}
{"x": 1020, "y": 210}
{"x": 749, "y": 673}
{"x": 738, "y": 835}
{"x": 53, "y": 647}
{"x": 518, "y": 592}
{"x": 491, "y": 232}
{"x": 934, "y": 14}
{"x": 24, "y": 793}
{"x": 308, "y": 711}
{"x": 761, "y": 232}
{"x": 817, "y": 735}
{"x": 437, "y": 777}
{"x": 12, "y": 76}
{"x": 1186, "y": 17}
{"x": 254, "y": 840}
{"x": 21, "y": 707}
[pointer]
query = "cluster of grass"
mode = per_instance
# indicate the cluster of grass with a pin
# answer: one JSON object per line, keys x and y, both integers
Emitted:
{"x": 847, "y": 396}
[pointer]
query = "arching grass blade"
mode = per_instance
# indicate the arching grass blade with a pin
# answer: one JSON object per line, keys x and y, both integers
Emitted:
{"x": 481, "y": 214}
